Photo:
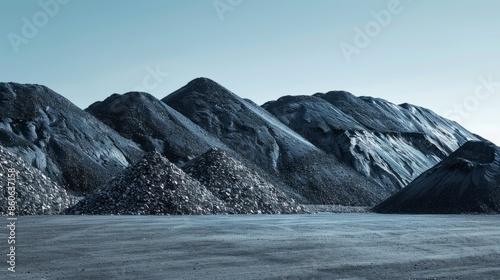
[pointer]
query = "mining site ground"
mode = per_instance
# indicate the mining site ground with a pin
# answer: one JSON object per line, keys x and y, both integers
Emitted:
{"x": 309, "y": 246}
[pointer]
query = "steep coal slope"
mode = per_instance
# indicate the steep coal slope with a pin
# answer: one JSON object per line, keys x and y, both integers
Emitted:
{"x": 152, "y": 186}
{"x": 390, "y": 144}
{"x": 265, "y": 141}
{"x": 242, "y": 189}
{"x": 238, "y": 123}
{"x": 443, "y": 136}
{"x": 69, "y": 145}
{"x": 154, "y": 125}
{"x": 467, "y": 181}
{"x": 35, "y": 193}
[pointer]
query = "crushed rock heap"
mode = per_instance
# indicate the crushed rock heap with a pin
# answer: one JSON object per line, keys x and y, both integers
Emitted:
{"x": 35, "y": 193}
{"x": 243, "y": 191}
{"x": 152, "y": 186}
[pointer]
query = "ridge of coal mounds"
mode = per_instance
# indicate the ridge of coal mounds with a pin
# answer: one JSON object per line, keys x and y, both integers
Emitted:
{"x": 467, "y": 181}
{"x": 387, "y": 143}
{"x": 35, "y": 193}
{"x": 297, "y": 109}
{"x": 241, "y": 189}
{"x": 152, "y": 186}
{"x": 241, "y": 125}
{"x": 380, "y": 115}
{"x": 372, "y": 113}
{"x": 261, "y": 139}
{"x": 66, "y": 143}
{"x": 154, "y": 126}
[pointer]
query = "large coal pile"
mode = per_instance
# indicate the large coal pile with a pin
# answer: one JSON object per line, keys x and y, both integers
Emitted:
{"x": 154, "y": 126}
{"x": 468, "y": 181}
{"x": 330, "y": 149}
{"x": 153, "y": 186}
{"x": 243, "y": 190}
{"x": 35, "y": 193}
{"x": 66, "y": 143}
{"x": 391, "y": 144}
{"x": 261, "y": 139}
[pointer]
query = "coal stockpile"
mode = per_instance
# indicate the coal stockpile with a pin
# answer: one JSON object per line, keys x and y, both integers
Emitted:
{"x": 243, "y": 190}
{"x": 468, "y": 181}
{"x": 152, "y": 186}
{"x": 67, "y": 144}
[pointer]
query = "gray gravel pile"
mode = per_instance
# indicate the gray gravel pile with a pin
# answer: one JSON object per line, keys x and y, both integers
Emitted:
{"x": 152, "y": 186}
{"x": 243, "y": 190}
{"x": 35, "y": 193}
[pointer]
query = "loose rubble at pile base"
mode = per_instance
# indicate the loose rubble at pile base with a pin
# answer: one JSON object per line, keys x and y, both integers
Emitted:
{"x": 243, "y": 190}
{"x": 35, "y": 193}
{"x": 153, "y": 186}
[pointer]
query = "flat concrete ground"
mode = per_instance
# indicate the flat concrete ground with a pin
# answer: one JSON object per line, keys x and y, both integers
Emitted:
{"x": 322, "y": 246}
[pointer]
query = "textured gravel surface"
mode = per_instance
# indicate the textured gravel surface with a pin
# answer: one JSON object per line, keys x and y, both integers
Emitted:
{"x": 35, "y": 193}
{"x": 243, "y": 190}
{"x": 152, "y": 186}
{"x": 323, "y": 246}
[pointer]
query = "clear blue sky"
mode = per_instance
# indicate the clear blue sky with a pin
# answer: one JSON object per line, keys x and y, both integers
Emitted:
{"x": 430, "y": 53}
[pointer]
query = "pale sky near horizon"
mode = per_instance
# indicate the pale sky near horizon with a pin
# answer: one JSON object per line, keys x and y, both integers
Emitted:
{"x": 442, "y": 55}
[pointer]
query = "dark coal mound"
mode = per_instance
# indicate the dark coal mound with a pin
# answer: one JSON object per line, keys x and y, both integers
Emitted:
{"x": 66, "y": 143}
{"x": 243, "y": 190}
{"x": 154, "y": 126}
{"x": 468, "y": 181}
{"x": 36, "y": 194}
{"x": 313, "y": 175}
{"x": 387, "y": 143}
{"x": 153, "y": 186}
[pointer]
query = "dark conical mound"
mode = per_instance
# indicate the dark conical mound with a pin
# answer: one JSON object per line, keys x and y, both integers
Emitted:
{"x": 314, "y": 176}
{"x": 152, "y": 186}
{"x": 468, "y": 181}
{"x": 241, "y": 189}
{"x": 154, "y": 126}
{"x": 35, "y": 193}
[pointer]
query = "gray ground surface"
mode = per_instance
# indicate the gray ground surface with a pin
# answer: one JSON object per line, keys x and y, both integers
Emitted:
{"x": 321, "y": 246}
